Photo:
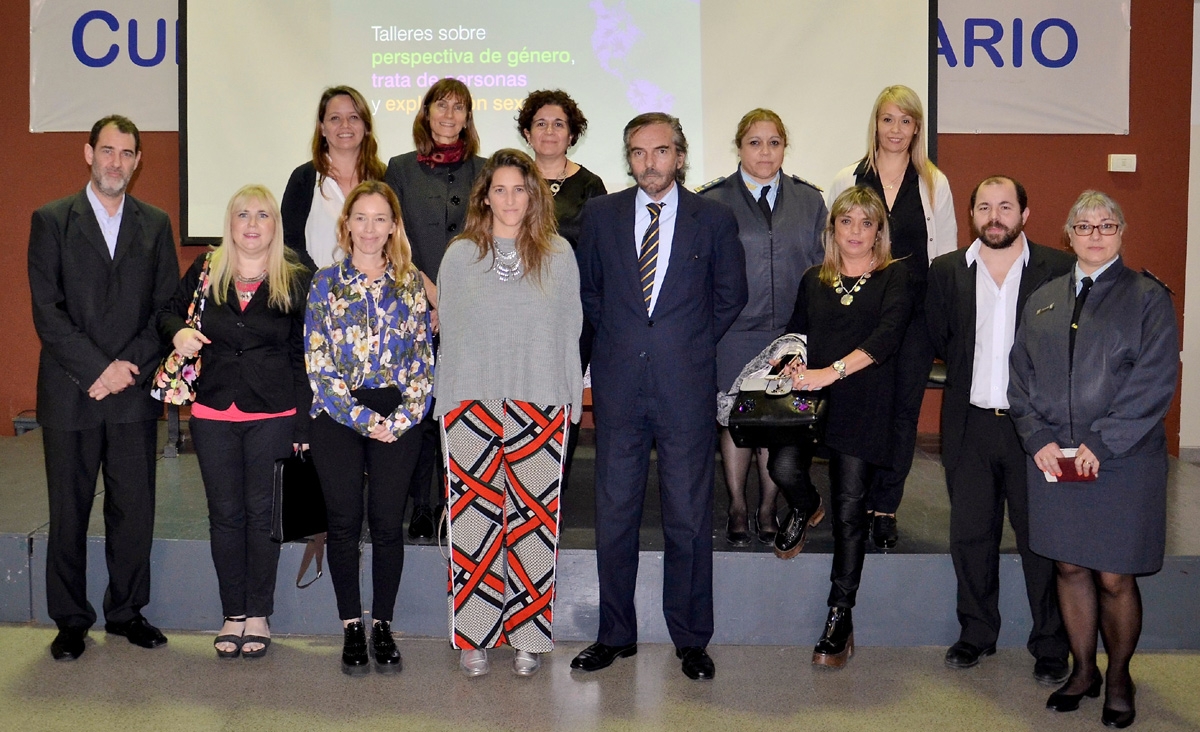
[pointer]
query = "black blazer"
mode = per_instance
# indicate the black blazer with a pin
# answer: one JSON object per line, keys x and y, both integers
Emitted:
{"x": 295, "y": 208}
{"x": 90, "y": 309}
{"x": 704, "y": 290}
{"x": 950, "y": 315}
{"x": 256, "y": 357}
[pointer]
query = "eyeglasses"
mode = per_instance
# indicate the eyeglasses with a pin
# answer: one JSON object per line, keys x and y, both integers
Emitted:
{"x": 1106, "y": 229}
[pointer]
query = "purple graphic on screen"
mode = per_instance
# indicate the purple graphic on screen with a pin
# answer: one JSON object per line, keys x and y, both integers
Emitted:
{"x": 645, "y": 96}
{"x": 612, "y": 41}
{"x": 615, "y": 34}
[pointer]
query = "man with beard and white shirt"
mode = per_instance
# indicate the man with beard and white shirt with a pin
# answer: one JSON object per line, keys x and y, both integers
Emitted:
{"x": 973, "y": 304}
{"x": 101, "y": 264}
{"x": 662, "y": 275}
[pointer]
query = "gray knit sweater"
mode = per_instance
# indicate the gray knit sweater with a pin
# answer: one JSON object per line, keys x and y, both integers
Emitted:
{"x": 508, "y": 340}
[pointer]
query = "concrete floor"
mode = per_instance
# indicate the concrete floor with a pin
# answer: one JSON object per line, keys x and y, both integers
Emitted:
{"x": 298, "y": 686}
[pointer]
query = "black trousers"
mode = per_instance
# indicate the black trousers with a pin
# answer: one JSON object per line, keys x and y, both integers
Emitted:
{"x": 989, "y": 473}
{"x": 73, "y": 458}
{"x": 237, "y": 462}
{"x": 789, "y": 466}
{"x": 849, "y": 479}
{"x": 342, "y": 456}
{"x": 913, "y": 362}
{"x": 623, "y": 445}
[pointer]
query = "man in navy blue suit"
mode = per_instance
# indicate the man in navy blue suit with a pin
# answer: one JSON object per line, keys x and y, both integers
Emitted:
{"x": 662, "y": 276}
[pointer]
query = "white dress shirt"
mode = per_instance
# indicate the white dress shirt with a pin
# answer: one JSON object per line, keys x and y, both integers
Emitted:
{"x": 995, "y": 327}
{"x": 666, "y": 233}
{"x": 320, "y": 231}
{"x": 110, "y": 226}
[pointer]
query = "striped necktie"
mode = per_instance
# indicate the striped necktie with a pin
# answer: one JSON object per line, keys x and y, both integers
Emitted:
{"x": 648, "y": 258}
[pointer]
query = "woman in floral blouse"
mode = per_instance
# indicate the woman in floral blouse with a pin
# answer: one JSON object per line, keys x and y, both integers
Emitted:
{"x": 371, "y": 366}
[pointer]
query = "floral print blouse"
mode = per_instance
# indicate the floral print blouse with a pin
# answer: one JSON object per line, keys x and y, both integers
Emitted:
{"x": 368, "y": 335}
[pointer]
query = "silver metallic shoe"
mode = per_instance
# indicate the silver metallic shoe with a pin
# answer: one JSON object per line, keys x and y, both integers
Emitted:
{"x": 474, "y": 662}
{"x": 526, "y": 663}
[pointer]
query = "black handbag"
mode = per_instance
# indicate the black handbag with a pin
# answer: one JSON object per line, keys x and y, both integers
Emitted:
{"x": 298, "y": 506}
{"x": 760, "y": 419}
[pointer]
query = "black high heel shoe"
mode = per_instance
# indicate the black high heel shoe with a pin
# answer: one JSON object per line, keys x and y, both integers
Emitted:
{"x": 1061, "y": 701}
{"x": 736, "y": 538}
{"x": 837, "y": 642}
{"x": 766, "y": 536}
{"x": 1119, "y": 720}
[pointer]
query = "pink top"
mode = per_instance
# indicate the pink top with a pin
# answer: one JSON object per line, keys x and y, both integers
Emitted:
{"x": 233, "y": 414}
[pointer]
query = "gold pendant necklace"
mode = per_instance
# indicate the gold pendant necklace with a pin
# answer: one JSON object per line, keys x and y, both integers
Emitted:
{"x": 848, "y": 295}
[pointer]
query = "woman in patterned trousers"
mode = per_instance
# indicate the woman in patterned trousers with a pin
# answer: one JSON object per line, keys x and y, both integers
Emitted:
{"x": 508, "y": 385}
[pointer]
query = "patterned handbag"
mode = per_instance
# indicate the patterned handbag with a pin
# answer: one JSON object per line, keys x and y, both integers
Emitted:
{"x": 176, "y": 375}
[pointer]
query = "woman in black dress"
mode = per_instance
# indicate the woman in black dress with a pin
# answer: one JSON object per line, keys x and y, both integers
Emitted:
{"x": 552, "y": 123}
{"x": 921, "y": 220}
{"x": 433, "y": 184}
{"x": 344, "y": 154}
{"x": 1091, "y": 381}
{"x": 854, "y": 309}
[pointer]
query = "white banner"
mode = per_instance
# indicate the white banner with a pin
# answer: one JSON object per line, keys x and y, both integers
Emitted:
{"x": 88, "y": 59}
{"x": 1033, "y": 66}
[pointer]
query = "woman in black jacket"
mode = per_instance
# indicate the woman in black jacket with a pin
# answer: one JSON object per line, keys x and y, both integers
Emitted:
{"x": 344, "y": 154}
{"x": 252, "y": 401}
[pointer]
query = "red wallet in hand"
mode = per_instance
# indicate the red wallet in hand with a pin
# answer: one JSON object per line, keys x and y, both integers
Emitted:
{"x": 1069, "y": 474}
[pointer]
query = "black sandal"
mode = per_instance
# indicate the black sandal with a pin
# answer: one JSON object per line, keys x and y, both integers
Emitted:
{"x": 265, "y": 640}
{"x": 235, "y": 640}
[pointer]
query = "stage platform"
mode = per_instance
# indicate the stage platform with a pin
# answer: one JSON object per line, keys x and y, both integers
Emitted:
{"x": 907, "y": 596}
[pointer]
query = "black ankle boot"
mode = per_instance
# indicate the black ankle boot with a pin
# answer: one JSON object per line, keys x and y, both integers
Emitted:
{"x": 837, "y": 642}
{"x": 355, "y": 660}
{"x": 387, "y": 655}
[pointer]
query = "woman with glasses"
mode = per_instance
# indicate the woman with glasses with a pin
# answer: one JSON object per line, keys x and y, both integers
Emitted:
{"x": 1093, "y": 373}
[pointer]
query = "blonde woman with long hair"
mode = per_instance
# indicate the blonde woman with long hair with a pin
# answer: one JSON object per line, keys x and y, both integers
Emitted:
{"x": 920, "y": 213}
{"x": 252, "y": 401}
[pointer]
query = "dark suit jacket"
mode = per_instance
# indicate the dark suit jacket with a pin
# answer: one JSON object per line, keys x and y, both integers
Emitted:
{"x": 256, "y": 357}
{"x": 90, "y": 309}
{"x": 701, "y": 296}
{"x": 294, "y": 209}
{"x": 950, "y": 314}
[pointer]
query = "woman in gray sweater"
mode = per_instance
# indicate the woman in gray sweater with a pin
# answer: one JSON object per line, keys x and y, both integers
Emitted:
{"x": 508, "y": 386}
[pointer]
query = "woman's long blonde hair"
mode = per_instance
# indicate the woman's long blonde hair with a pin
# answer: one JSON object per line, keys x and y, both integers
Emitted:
{"x": 872, "y": 206}
{"x": 910, "y": 104}
{"x": 283, "y": 265}
{"x": 397, "y": 251}
{"x": 535, "y": 237}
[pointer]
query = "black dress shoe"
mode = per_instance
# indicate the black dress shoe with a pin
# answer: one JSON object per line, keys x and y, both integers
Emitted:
{"x": 837, "y": 642}
{"x": 355, "y": 660}
{"x": 966, "y": 655}
{"x": 420, "y": 526}
{"x": 792, "y": 537}
{"x": 736, "y": 538}
{"x": 1060, "y": 701}
{"x": 697, "y": 664}
{"x": 1118, "y": 720}
{"x": 885, "y": 531}
{"x": 68, "y": 644}
{"x": 1051, "y": 671}
{"x": 387, "y": 655}
{"x": 139, "y": 632}
{"x": 598, "y": 656}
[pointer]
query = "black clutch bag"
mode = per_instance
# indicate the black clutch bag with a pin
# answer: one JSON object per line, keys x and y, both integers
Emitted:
{"x": 762, "y": 419}
{"x": 298, "y": 506}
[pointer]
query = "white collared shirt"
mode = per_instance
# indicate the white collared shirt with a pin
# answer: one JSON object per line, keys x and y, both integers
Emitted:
{"x": 995, "y": 327}
{"x": 320, "y": 231}
{"x": 754, "y": 186}
{"x": 666, "y": 233}
{"x": 110, "y": 226}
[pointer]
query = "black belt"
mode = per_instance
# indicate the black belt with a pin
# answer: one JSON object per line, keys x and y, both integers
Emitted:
{"x": 989, "y": 410}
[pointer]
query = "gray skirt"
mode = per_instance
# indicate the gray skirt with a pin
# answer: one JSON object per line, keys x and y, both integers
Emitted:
{"x": 1116, "y": 524}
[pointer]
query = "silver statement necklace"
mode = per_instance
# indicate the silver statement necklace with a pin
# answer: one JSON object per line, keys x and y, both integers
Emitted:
{"x": 848, "y": 295}
{"x": 508, "y": 264}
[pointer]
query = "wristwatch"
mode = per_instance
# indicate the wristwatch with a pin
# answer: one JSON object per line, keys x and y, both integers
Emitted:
{"x": 840, "y": 367}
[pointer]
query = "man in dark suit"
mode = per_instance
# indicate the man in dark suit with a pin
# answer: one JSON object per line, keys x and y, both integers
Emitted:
{"x": 663, "y": 276}
{"x": 100, "y": 264}
{"x": 974, "y": 301}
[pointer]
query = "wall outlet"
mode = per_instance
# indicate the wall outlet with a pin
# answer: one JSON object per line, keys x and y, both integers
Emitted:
{"x": 1122, "y": 163}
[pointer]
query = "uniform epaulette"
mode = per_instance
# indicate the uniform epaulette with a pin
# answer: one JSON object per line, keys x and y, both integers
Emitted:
{"x": 1152, "y": 276}
{"x": 710, "y": 184}
{"x": 798, "y": 179}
